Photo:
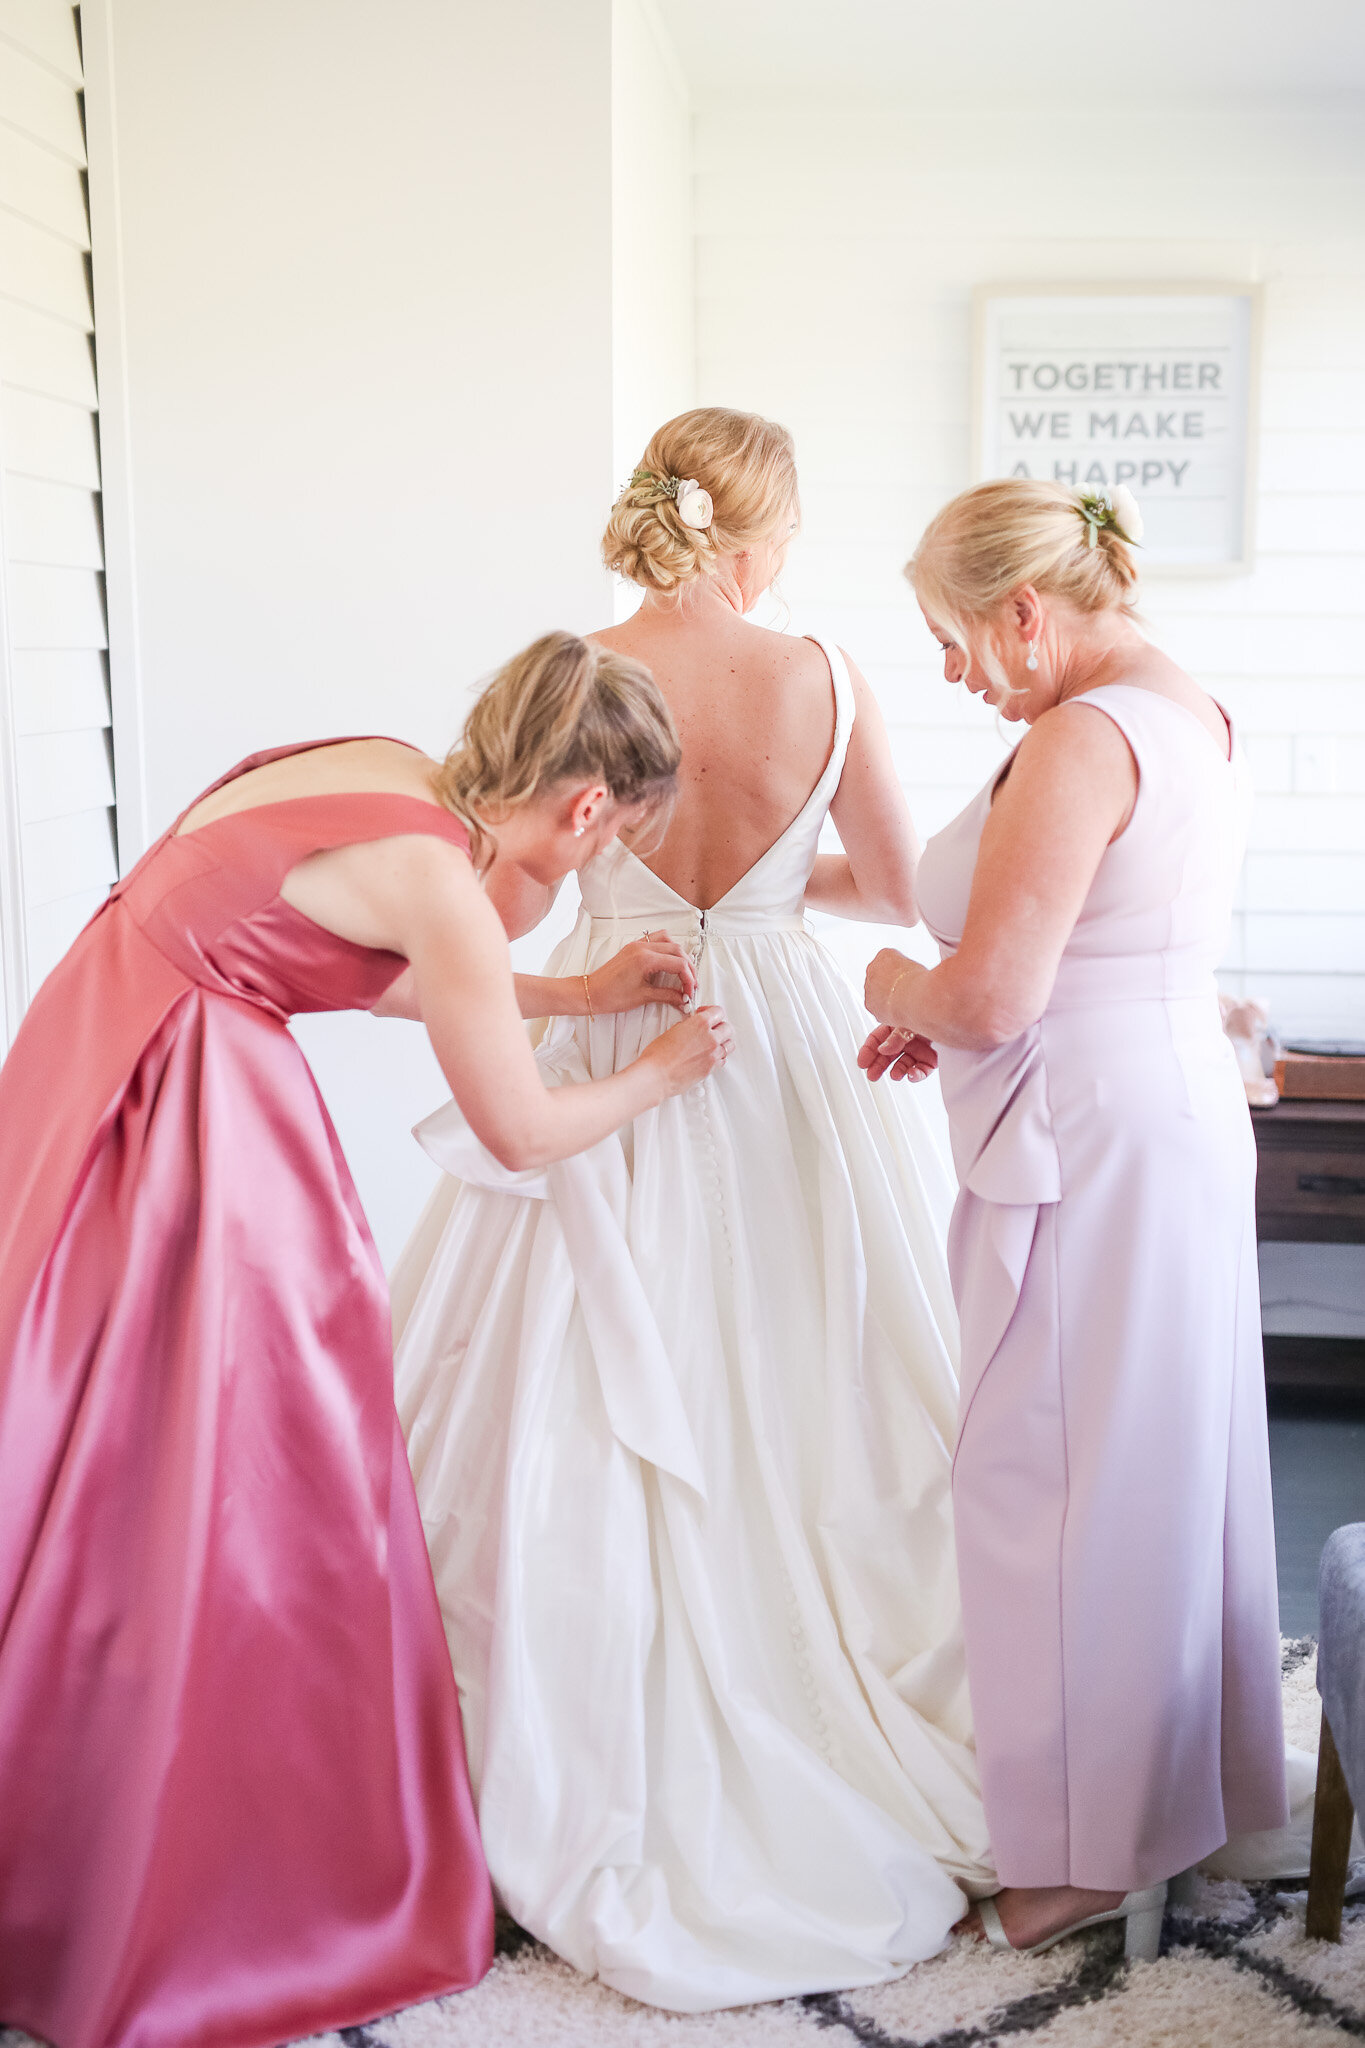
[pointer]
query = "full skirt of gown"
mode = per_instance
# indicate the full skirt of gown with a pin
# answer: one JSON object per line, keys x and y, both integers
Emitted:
{"x": 680, "y": 1414}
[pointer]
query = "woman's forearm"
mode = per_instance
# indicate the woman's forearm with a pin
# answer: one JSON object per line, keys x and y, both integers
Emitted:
{"x": 570, "y": 1119}
{"x": 538, "y": 995}
{"x": 551, "y": 995}
{"x": 835, "y": 888}
{"x": 950, "y": 1005}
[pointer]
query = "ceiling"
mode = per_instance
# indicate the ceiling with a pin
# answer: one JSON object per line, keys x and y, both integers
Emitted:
{"x": 1093, "y": 51}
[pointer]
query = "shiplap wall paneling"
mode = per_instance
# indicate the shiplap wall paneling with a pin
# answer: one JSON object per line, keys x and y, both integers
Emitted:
{"x": 49, "y": 471}
{"x": 837, "y": 249}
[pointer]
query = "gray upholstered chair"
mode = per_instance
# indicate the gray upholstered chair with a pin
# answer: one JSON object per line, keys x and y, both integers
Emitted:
{"x": 1341, "y": 1757}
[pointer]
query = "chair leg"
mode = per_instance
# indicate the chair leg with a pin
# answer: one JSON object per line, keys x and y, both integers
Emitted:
{"x": 1333, "y": 1814}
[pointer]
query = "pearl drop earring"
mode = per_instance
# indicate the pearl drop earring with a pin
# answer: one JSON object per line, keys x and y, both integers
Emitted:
{"x": 1032, "y": 661}
{"x": 578, "y": 829}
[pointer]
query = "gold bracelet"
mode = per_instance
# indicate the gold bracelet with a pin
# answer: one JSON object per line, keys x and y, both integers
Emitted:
{"x": 891, "y": 992}
{"x": 587, "y": 997}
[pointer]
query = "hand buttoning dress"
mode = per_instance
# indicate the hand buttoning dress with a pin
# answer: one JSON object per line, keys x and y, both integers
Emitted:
{"x": 1112, "y": 1480}
{"x": 680, "y": 1414}
{"x": 233, "y": 1795}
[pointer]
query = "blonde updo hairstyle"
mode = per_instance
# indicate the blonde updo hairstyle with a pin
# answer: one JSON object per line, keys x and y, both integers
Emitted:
{"x": 994, "y": 539}
{"x": 563, "y": 710}
{"x": 747, "y": 464}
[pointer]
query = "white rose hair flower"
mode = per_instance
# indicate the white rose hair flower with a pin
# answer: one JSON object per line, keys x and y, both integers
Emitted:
{"x": 694, "y": 505}
{"x": 1127, "y": 518}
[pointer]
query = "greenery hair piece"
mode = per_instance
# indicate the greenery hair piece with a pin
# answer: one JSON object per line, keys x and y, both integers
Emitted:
{"x": 664, "y": 486}
{"x": 1117, "y": 509}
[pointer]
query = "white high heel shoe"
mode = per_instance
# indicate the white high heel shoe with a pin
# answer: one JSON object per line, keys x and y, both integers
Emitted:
{"x": 1141, "y": 1912}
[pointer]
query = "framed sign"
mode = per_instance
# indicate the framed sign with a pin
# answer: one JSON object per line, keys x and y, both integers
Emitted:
{"x": 1151, "y": 386}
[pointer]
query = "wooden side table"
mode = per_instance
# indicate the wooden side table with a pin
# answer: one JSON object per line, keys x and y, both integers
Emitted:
{"x": 1310, "y": 1189}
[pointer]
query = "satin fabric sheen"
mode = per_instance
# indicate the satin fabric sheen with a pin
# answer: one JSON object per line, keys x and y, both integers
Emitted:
{"x": 1112, "y": 1481}
{"x": 233, "y": 1790}
{"x": 680, "y": 1414}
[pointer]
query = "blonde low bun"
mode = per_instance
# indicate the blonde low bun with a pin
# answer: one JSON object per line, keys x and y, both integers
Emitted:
{"x": 997, "y": 537}
{"x": 647, "y": 543}
{"x": 746, "y": 463}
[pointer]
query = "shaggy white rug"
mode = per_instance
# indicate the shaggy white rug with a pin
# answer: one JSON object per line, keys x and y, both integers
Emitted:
{"x": 1236, "y": 1971}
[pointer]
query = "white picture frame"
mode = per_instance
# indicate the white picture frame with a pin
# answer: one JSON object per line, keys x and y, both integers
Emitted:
{"x": 1151, "y": 385}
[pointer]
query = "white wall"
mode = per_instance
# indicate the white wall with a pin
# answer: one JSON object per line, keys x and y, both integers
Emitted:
{"x": 653, "y": 299}
{"x": 653, "y": 296}
{"x": 653, "y": 324}
{"x": 401, "y": 307}
{"x": 837, "y": 249}
{"x": 367, "y": 296}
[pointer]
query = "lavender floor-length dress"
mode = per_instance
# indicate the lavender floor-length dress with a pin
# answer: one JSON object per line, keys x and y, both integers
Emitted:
{"x": 1112, "y": 1482}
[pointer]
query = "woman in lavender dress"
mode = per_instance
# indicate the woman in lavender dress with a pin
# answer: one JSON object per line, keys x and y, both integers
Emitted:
{"x": 1111, "y": 1486}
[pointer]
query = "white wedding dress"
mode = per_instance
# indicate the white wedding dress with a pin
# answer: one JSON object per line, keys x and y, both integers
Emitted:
{"x": 680, "y": 1413}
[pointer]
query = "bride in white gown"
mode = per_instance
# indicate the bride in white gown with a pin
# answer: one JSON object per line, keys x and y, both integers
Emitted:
{"x": 680, "y": 1410}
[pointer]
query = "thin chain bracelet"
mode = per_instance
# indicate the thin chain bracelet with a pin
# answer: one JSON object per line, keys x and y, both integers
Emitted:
{"x": 891, "y": 996}
{"x": 587, "y": 997}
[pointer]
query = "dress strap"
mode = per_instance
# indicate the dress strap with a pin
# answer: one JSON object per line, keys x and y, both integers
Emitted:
{"x": 845, "y": 710}
{"x": 1146, "y": 715}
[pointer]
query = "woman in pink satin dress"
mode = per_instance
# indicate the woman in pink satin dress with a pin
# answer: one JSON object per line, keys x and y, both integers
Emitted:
{"x": 232, "y": 1777}
{"x": 1111, "y": 1485}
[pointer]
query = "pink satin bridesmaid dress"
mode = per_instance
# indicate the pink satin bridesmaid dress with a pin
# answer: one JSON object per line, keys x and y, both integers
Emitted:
{"x": 1111, "y": 1487}
{"x": 232, "y": 1778}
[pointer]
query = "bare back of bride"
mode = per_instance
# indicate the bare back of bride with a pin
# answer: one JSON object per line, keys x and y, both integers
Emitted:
{"x": 680, "y": 1411}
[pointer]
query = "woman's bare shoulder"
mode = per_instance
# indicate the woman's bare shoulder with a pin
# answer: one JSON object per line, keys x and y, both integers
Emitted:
{"x": 337, "y": 767}
{"x": 792, "y": 651}
{"x": 400, "y": 766}
{"x": 370, "y": 762}
{"x": 764, "y": 658}
{"x": 611, "y": 636}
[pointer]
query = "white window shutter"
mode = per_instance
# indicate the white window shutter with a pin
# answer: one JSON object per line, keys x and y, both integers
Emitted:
{"x": 57, "y": 839}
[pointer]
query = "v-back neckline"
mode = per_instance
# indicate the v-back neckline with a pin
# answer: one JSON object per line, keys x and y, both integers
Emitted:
{"x": 840, "y": 734}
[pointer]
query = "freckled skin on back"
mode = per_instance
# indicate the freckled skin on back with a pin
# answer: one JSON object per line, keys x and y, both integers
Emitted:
{"x": 733, "y": 689}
